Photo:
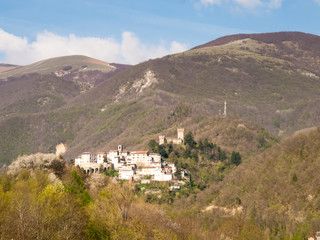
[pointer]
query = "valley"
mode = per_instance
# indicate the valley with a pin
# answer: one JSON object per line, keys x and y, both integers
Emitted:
{"x": 250, "y": 108}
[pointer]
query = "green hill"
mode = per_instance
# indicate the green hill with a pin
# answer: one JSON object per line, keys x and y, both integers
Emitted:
{"x": 276, "y": 190}
{"x": 269, "y": 81}
{"x": 60, "y": 66}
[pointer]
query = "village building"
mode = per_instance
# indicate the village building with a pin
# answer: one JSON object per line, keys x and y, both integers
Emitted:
{"x": 140, "y": 158}
{"x": 135, "y": 165}
{"x": 100, "y": 157}
{"x": 156, "y": 157}
{"x": 149, "y": 171}
{"x": 161, "y": 176}
{"x": 126, "y": 173}
{"x": 85, "y": 158}
{"x": 88, "y": 157}
{"x": 172, "y": 166}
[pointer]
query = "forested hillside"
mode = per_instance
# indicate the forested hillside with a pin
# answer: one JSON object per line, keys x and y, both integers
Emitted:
{"x": 276, "y": 190}
{"x": 269, "y": 81}
{"x": 273, "y": 195}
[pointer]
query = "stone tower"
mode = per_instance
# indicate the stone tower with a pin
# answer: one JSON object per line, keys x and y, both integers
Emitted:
{"x": 162, "y": 139}
{"x": 180, "y": 132}
{"x": 120, "y": 148}
{"x": 225, "y": 108}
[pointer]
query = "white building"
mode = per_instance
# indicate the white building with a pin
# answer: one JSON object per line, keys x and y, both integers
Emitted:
{"x": 173, "y": 167}
{"x": 149, "y": 171}
{"x": 155, "y": 164}
{"x": 140, "y": 158}
{"x": 112, "y": 153}
{"x": 88, "y": 157}
{"x": 160, "y": 176}
{"x": 78, "y": 161}
{"x": 100, "y": 157}
{"x": 126, "y": 163}
{"x": 156, "y": 157}
{"x": 126, "y": 173}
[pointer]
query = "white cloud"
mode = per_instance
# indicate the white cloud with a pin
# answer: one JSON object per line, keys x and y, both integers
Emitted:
{"x": 207, "y": 2}
{"x": 11, "y": 42}
{"x": 178, "y": 47}
{"x": 317, "y": 1}
{"x": 248, "y": 4}
{"x": 275, "y": 3}
{"x": 129, "y": 49}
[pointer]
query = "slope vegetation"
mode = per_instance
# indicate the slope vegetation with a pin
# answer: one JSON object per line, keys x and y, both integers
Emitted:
{"x": 272, "y": 84}
{"x": 277, "y": 189}
{"x": 60, "y": 65}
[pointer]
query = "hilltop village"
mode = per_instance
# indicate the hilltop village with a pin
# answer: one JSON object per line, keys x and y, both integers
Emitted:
{"x": 133, "y": 165}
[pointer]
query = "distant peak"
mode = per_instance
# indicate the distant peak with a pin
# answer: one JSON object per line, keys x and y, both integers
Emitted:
{"x": 305, "y": 40}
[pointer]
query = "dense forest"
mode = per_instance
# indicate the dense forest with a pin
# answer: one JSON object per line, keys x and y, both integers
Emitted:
{"x": 33, "y": 206}
{"x": 227, "y": 197}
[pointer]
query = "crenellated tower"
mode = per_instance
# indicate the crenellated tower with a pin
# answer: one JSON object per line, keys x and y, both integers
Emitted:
{"x": 180, "y": 133}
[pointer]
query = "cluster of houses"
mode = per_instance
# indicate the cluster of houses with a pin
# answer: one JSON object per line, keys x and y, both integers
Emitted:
{"x": 134, "y": 165}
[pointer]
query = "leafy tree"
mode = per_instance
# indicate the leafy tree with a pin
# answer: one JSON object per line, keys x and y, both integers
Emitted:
{"x": 163, "y": 152}
{"x": 294, "y": 177}
{"x": 170, "y": 148}
{"x": 222, "y": 154}
{"x": 189, "y": 140}
{"x": 178, "y": 173}
{"x": 111, "y": 173}
{"x": 77, "y": 187}
{"x": 62, "y": 215}
{"x": 58, "y": 166}
{"x": 152, "y": 145}
{"x": 173, "y": 157}
{"x": 235, "y": 158}
{"x": 122, "y": 196}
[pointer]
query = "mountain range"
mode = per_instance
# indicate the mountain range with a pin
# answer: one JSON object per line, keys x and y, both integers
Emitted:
{"x": 270, "y": 82}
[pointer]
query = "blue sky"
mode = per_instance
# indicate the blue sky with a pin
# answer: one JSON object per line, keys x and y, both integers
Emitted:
{"x": 131, "y": 31}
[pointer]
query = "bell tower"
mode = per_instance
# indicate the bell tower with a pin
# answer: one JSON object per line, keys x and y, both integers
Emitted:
{"x": 120, "y": 148}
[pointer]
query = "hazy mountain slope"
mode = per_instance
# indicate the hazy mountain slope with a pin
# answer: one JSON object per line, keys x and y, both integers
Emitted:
{"x": 304, "y": 41}
{"x": 51, "y": 83}
{"x": 35, "y": 107}
{"x": 35, "y": 93}
{"x": 278, "y": 93}
{"x": 277, "y": 189}
{"x": 41, "y": 132}
{"x": 7, "y": 67}
{"x": 264, "y": 86}
{"x": 60, "y": 65}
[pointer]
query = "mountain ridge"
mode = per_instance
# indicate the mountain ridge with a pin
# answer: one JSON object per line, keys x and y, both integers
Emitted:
{"x": 304, "y": 40}
{"x": 263, "y": 85}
